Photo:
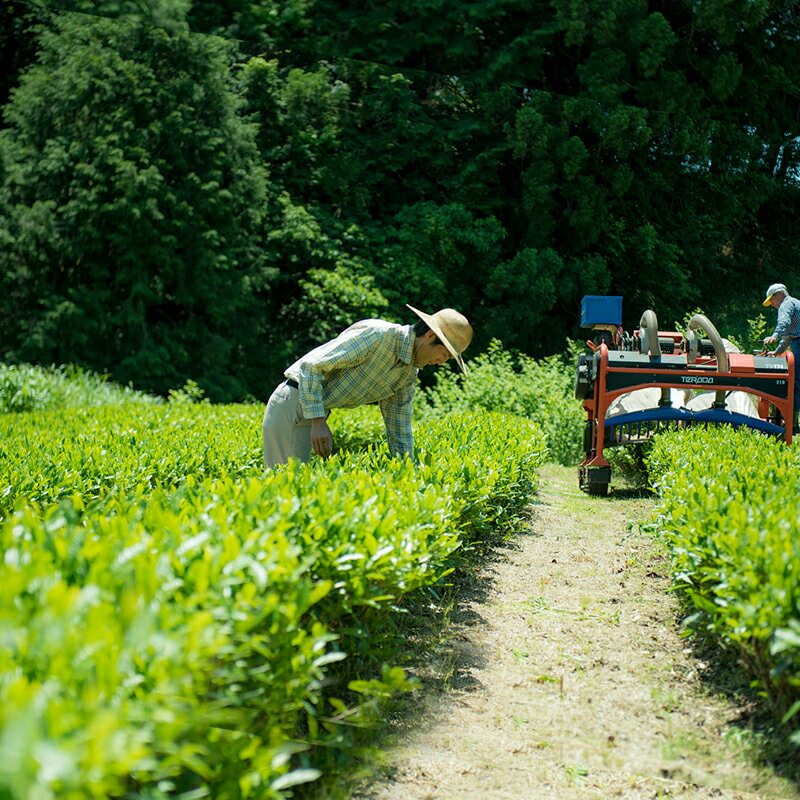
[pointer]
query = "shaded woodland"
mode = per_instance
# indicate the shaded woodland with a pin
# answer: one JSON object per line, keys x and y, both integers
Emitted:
{"x": 198, "y": 190}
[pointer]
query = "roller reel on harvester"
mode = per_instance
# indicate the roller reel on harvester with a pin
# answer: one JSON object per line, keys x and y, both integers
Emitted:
{"x": 619, "y": 364}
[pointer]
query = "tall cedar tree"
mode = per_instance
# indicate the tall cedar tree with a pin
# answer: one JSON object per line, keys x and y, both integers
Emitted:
{"x": 133, "y": 199}
{"x": 501, "y": 157}
{"x": 546, "y": 151}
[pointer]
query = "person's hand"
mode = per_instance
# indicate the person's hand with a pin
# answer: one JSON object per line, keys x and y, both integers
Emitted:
{"x": 321, "y": 437}
{"x": 770, "y": 340}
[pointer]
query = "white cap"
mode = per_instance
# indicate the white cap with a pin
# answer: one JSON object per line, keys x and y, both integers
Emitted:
{"x": 774, "y": 289}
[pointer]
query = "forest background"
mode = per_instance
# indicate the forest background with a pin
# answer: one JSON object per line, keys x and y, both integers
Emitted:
{"x": 203, "y": 190}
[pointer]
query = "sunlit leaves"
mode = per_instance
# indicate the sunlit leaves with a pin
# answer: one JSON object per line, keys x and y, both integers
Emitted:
{"x": 183, "y": 622}
{"x": 729, "y": 512}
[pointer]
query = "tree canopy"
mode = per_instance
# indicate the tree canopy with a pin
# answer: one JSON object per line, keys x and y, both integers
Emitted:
{"x": 202, "y": 190}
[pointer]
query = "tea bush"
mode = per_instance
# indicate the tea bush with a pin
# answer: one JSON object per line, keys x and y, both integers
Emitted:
{"x": 115, "y": 450}
{"x": 729, "y": 509}
{"x": 24, "y": 387}
{"x": 543, "y": 391}
{"x": 629, "y": 462}
{"x": 356, "y": 428}
{"x": 178, "y": 622}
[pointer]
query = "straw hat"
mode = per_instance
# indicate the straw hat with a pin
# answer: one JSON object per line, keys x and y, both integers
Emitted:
{"x": 452, "y": 328}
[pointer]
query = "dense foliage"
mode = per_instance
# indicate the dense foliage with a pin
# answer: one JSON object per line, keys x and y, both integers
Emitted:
{"x": 176, "y": 622}
{"x": 132, "y": 229}
{"x": 500, "y": 380}
{"x": 176, "y": 206}
{"x": 28, "y": 388}
{"x": 728, "y": 510}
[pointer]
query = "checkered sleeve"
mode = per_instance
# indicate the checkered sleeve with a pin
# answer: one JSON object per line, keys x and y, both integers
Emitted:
{"x": 396, "y": 412}
{"x": 788, "y": 324}
{"x": 347, "y": 350}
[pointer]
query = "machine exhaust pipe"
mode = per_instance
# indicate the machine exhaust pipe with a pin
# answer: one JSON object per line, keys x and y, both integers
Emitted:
{"x": 650, "y": 344}
{"x": 702, "y": 321}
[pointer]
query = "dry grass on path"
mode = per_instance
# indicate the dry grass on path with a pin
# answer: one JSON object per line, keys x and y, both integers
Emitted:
{"x": 571, "y": 680}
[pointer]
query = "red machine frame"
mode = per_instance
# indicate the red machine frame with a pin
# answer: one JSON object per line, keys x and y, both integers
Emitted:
{"x": 614, "y": 372}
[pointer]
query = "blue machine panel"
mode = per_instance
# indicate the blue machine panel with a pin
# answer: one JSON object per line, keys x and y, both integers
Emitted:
{"x": 597, "y": 310}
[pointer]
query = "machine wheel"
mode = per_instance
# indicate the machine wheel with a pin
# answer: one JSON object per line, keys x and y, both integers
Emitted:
{"x": 597, "y": 489}
{"x": 594, "y": 480}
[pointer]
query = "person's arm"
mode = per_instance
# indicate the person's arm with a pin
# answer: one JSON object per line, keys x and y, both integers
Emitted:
{"x": 396, "y": 411}
{"x": 780, "y": 334}
{"x": 321, "y": 437}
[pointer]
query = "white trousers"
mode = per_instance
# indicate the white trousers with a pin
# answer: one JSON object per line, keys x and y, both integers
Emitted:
{"x": 286, "y": 432}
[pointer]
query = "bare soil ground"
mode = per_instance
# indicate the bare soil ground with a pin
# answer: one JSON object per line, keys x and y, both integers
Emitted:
{"x": 569, "y": 678}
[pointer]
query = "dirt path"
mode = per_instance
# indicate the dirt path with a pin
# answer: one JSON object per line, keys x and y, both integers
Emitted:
{"x": 571, "y": 680}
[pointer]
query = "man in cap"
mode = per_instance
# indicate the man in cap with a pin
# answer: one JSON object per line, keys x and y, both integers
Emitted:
{"x": 786, "y": 334}
{"x": 373, "y": 361}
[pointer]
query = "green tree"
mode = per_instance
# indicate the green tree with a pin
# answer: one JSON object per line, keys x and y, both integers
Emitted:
{"x": 649, "y": 151}
{"x": 168, "y": 14}
{"x": 359, "y": 155}
{"x": 501, "y": 157}
{"x": 17, "y": 49}
{"x": 433, "y": 254}
{"x": 653, "y": 148}
{"x": 133, "y": 201}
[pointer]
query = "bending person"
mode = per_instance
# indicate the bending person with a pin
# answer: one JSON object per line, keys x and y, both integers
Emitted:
{"x": 373, "y": 361}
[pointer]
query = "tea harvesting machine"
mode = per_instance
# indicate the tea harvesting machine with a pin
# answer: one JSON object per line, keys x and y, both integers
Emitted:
{"x": 634, "y": 385}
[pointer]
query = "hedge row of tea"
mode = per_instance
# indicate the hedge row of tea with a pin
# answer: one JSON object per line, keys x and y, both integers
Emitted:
{"x": 730, "y": 511}
{"x": 176, "y": 623}
{"x": 26, "y": 387}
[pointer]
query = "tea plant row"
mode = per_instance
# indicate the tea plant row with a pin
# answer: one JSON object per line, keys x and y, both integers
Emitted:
{"x": 177, "y": 623}
{"x": 729, "y": 509}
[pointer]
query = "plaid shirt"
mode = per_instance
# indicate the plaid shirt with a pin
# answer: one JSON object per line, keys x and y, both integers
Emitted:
{"x": 788, "y": 325}
{"x": 370, "y": 362}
